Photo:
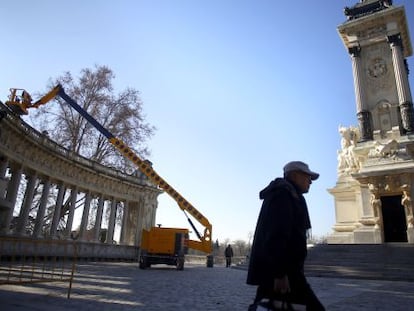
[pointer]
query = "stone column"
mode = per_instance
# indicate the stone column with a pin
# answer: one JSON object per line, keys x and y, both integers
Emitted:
{"x": 3, "y": 181}
{"x": 403, "y": 86}
{"x": 27, "y": 204}
{"x": 6, "y": 214}
{"x": 69, "y": 222}
{"x": 153, "y": 208}
{"x": 123, "y": 238}
{"x": 98, "y": 221}
{"x": 42, "y": 208}
{"x": 58, "y": 210}
{"x": 131, "y": 220}
{"x": 111, "y": 224}
{"x": 140, "y": 221}
{"x": 85, "y": 216}
{"x": 3, "y": 167}
{"x": 363, "y": 114}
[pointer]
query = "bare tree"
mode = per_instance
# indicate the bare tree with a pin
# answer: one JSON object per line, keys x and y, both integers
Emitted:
{"x": 121, "y": 114}
{"x": 241, "y": 248}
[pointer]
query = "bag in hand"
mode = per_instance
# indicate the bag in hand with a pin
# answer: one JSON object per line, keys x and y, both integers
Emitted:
{"x": 275, "y": 305}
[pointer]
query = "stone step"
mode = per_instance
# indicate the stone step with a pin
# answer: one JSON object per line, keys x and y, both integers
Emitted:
{"x": 391, "y": 261}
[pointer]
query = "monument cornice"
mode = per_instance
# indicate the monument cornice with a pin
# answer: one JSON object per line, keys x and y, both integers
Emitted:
{"x": 376, "y": 27}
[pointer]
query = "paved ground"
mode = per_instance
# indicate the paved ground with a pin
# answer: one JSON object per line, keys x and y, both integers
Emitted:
{"x": 122, "y": 286}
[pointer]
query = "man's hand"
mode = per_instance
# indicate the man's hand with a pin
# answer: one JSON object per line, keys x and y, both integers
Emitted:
{"x": 282, "y": 285}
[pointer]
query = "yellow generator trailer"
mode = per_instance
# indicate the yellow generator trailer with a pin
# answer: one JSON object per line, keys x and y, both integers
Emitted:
{"x": 163, "y": 246}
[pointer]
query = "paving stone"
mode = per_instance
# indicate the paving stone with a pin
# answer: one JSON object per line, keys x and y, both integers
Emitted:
{"x": 113, "y": 286}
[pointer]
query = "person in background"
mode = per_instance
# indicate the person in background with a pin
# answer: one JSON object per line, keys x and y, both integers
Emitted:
{"x": 279, "y": 247}
{"x": 228, "y": 253}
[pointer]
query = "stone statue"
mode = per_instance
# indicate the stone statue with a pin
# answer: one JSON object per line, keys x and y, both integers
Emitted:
{"x": 347, "y": 160}
{"x": 383, "y": 150}
{"x": 375, "y": 203}
{"x": 406, "y": 202}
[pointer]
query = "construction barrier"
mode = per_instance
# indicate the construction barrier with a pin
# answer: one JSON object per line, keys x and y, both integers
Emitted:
{"x": 27, "y": 261}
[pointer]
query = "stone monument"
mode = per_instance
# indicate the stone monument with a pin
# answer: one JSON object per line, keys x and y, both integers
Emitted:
{"x": 376, "y": 162}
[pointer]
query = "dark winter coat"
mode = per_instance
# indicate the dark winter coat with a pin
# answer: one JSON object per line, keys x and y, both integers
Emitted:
{"x": 279, "y": 245}
{"x": 228, "y": 252}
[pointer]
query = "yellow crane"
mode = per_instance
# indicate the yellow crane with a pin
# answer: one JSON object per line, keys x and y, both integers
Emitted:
{"x": 159, "y": 244}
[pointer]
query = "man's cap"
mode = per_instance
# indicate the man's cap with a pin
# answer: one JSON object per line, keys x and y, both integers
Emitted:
{"x": 300, "y": 166}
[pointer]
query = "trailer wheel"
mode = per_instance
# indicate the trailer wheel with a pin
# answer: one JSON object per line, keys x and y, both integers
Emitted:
{"x": 143, "y": 262}
{"x": 180, "y": 263}
{"x": 210, "y": 261}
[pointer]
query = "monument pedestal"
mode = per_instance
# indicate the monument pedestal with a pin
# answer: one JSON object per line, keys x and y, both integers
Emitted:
{"x": 341, "y": 238}
{"x": 410, "y": 235}
{"x": 368, "y": 235}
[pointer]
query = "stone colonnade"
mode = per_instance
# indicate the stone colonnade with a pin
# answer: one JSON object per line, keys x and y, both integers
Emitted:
{"x": 42, "y": 183}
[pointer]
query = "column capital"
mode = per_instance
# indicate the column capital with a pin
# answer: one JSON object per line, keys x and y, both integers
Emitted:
{"x": 395, "y": 40}
{"x": 354, "y": 51}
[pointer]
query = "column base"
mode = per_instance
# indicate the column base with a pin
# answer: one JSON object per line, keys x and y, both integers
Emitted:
{"x": 410, "y": 235}
{"x": 341, "y": 238}
{"x": 368, "y": 235}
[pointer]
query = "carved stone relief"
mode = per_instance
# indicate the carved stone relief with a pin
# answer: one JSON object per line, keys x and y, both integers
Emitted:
{"x": 372, "y": 32}
{"x": 378, "y": 69}
{"x": 376, "y": 205}
{"x": 407, "y": 203}
{"x": 384, "y": 150}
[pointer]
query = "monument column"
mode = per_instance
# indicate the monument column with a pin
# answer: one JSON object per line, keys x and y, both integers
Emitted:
{"x": 141, "y": 220}
{"x": 12, "y": 189}
{"x": 85, "y": 215}
{"x": 111, "y": 224}
{"x": 14, "y": 183}
{"x": 98, "y": 219}
{"x": 71, "y": 214}
{"x": 27, "y": 204}
{"x": 58, "y": 210}
{"x": 123, "y": 238}
{"x": 403, "y": 86}
{"x": 3, "y": 167}
{"x": 3, "y": 180}
{"x": 363, "y": 114}
{"x": 42, "y": 208}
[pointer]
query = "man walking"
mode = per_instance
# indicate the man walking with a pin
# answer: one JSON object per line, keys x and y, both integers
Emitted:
{"x": 228, "y": 253}
{"x": 279, "y": 248}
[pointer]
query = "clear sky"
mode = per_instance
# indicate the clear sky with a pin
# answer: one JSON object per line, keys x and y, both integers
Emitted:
{"x": 235, "y": 88}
